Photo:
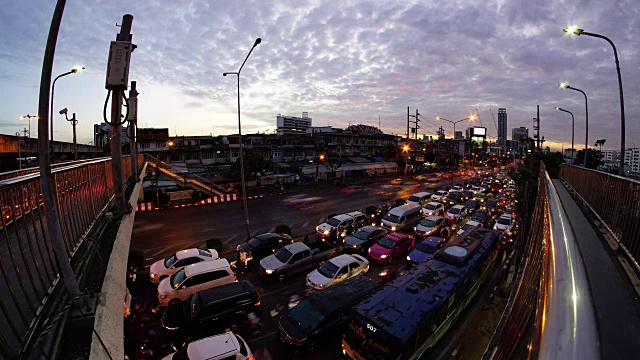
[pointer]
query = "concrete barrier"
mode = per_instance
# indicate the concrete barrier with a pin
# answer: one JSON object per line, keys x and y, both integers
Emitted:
{"x": 109, "y": 321}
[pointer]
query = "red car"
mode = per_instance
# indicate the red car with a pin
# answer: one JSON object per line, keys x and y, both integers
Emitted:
{"x": 390, "y": 246}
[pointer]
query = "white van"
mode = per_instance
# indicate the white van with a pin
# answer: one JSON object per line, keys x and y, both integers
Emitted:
{"x": 402, "y": 217}
{"x": 193, "y": 278}
{"x": 420, "y": 198}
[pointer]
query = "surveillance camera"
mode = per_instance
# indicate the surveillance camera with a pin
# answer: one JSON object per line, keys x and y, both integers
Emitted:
{"x": 63, "y": 111}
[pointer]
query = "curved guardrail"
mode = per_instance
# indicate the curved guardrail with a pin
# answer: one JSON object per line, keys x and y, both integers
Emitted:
{"x": 550, "y": 314}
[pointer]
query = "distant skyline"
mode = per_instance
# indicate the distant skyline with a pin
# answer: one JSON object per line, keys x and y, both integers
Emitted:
{"x": 354, "y": 63}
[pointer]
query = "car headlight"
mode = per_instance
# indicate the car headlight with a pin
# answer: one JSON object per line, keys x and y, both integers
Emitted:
{"x": 153, "y": 276}
{"x": 383, "y": 256}
{"x": 269, "y": 272}
{"x": 408, "y": 258}
{"x": 393, "y": 228}
{"x": 344, "y": 233}
{"x": 326, "y": 232}
{"x": 383, "y": 273}
{"x": 369, "y": 251}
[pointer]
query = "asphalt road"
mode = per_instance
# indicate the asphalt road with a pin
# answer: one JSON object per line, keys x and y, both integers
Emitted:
{"x": 161, "y": 232}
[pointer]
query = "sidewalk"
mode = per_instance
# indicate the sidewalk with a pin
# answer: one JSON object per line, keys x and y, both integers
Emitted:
{"x": 616, "y": 302}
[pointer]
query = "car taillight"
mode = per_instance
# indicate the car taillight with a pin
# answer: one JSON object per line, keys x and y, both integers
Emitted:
{"x": 251, "y": 358}
{"x": 257, "y": 303}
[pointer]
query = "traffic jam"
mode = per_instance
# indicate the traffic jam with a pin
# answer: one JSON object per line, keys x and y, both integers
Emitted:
{"x": 211, "y": 307}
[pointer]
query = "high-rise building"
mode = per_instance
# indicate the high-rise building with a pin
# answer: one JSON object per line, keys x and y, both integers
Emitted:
{"x": 502, "y": 126}
{"x": 519, "y": 139}
{"x": 291, "y": 125}
{"x": 458, "y": 135}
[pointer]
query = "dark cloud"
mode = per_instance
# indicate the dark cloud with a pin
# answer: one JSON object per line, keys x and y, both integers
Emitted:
{"x": 350, "y": 62}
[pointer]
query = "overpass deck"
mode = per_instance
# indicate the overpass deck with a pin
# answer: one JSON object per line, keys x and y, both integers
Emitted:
{"x": 617, "y": 304}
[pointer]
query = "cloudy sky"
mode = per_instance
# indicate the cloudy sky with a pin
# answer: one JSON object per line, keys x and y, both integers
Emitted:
{"x": 341, "y": 61}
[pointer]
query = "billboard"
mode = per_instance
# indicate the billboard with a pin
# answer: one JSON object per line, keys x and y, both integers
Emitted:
{"x": 478, "y": 131}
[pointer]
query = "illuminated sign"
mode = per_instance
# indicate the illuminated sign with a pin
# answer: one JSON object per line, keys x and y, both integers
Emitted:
{"x": 479, "y": 131}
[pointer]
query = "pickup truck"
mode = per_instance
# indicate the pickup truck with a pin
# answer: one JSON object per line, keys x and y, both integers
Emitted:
{"x": 294, "y": 258}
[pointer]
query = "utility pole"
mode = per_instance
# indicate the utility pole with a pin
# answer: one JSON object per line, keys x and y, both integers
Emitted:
{"x": 117, "y": 80}
{"x": 19, "y": 152}
{"x": 408, "y": 115}
{"x": 74, "y": 122}
{"x": 133, "y": 128}
{"x": 538, "y": 119}
{"x": 417, "y": 126}
{"x": 47, "y": 180}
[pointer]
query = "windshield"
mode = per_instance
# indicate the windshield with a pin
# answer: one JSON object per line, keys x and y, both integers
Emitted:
{"x": 468, "y": 226}
{"x": 255, "y": 243}
{"x": 428, "y": 223}
{"x": 284, "y": 255}
{"x": 333, "y": 222}
{"x": 413, "y": 199}
{"x": 425, "y": 248}
{"x": 361, "y": 234}
{"x": 386, "y": 243}
{"x": 441, "y": 192}
{"x": 306, "y": 316}
{"x": 430, "y": 207}
{"x": 328, "y": 269}
{"x": 178, "y": 278}
{"x": 454, "y": 211}
{"x": 168, "y": 262}
{"x": 504, "y": 221}
{"x": 392, "y": 218}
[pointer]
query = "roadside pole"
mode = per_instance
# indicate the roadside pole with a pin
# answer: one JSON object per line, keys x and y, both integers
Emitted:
{"x": 47, "y": 180}
{"x": 133, "y": 129}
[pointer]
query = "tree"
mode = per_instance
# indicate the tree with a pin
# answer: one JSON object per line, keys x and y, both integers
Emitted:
{"x": 593, "y": 158}
{"x": 254, "y": 164}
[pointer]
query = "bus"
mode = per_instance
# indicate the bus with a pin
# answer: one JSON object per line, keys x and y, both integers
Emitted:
{"x": 409, "y": 315}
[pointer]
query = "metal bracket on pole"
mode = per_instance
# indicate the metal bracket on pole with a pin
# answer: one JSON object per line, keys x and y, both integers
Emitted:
{"x": 133, "y": 128}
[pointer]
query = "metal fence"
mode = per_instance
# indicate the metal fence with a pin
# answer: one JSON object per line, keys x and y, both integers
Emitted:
{"x": 614, "y": 200}
{"x": 28, "y": 270}
{"x": 34, "y": 169}
{"x": 550, "y": 313}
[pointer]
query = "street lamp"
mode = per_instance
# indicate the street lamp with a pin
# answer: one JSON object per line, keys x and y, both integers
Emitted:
{"x": 53, "y": 87}
{"x": 73, "y": 122}
{"x": 472, "y": 117}
{"x": 576, "y": 31}
{"x": 29, "y": 117}
{"x": 244, "y": 190}
{"x": 586, "y": 115}
{"x": 572, "y": 128}
{"x": 320, "y": 158}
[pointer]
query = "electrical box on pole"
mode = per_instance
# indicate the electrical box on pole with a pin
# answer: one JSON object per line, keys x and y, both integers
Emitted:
{"x": 118, "y": 65}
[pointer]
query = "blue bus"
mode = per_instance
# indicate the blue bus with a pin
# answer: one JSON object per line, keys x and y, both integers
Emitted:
{"x": 410, "y": 314}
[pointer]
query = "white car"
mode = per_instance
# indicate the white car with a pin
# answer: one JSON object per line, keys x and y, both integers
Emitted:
{"x": 457, "y": 213}
{"x": 475, "y": 189}
{"x": 456, "y": 188}
{"x": 218, "y": 347}
{"x": 336, "y": 270}
{"x": 504, "y": 224}
{"x": 161, "y": 269}
{"x": 193, "y": 278}
{"x": 437, "y": 196}
{"x": 433, "y": 208}
{"x": 468, "y": 225}
{"x": 429, "y": 226}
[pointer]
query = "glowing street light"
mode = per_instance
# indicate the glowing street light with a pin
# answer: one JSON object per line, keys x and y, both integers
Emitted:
{"x": 472, "y": 117}
{"x": 564, "y": 85}
{"x": 577, "y": 31}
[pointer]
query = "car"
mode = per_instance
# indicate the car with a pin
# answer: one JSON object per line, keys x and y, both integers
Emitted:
{"x": 336, "y": 270}
{"x": 456, "y": 188}
{"x": 420, "y": 198}
{"x": 466, "y": 195}
{"x": 472, "y": 204}
{"x": 193, "y": 278}
{"x": 263, "y": 245}
{"x": 481, "y": 216}
{"x": 334, "y": 227}
{"x": 475, "y": 189}
{"x": 481, "y": 197}
{"x": 453, "y": 198}
{"x": 504, "y": 224}
{"x": 433, "y": 208}
{"x": 471, "y": 224}
{"x": 219, "y": 347}
{"x": 363, "y": 238}
{"x": 390, "y": 246}
{"x": 431, "y": 225}
{"x": 373, "y": 213}
{"x": 210, "y": 311}
{"x": 456, "y": 213}
{"x": 164, "y": 268}
{"x": 425, "y": 250}
{"x": 492, "y": 205}
{"x": 438, "y": 195}
{"x": 483, "y": 187}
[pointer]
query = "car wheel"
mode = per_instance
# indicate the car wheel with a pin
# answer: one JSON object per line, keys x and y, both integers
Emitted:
{"x": 282, "y": 277}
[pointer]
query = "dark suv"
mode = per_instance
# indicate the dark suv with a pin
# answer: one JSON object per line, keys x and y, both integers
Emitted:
{"x": 263, "y": 245}
{"x": 320, "y": 315}
{"x": 210, "y": 311}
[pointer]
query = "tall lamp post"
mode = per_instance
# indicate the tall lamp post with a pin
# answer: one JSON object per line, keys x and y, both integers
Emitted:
{"x": 472, "y": 117}
{"x": 572, "y": 128}
{"x": 29, "y": 117}
{"x": 575, "y": 30}
{"x": 244, "y": 189}
{"x": 73, "y": 122}
{"x": 53, "y": 87}
{"x": 586, "y": 115}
